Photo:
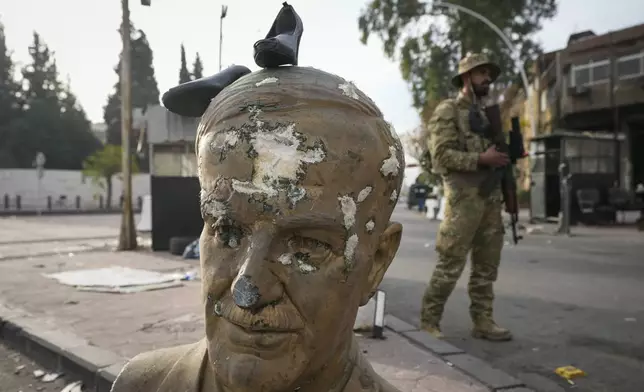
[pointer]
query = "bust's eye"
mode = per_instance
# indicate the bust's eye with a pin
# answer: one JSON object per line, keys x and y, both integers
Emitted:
{"x": 226, "y": 233}
{"x": 309, "y": 251}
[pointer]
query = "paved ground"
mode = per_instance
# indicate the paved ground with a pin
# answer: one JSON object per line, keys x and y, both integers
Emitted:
{"x": 132, "y": 323}
{"x": 17, "y": 374}
{"x": 569, "y": 301}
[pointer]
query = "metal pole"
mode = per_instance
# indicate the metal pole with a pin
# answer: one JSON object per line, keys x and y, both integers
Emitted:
{"x": 127, "y": 238}
{"x": 507, "y": 42}
{"x": 221, "y": 35}
{"x": 614, "y": 110}
{"x": 564, "y": 177}
{"x": 221, "y": 38}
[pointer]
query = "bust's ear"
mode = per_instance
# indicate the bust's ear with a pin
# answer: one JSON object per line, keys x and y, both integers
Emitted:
{"x": 387, "y": 247}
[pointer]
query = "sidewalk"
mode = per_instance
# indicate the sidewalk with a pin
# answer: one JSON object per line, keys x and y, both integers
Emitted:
{"x": 91, "y": 335}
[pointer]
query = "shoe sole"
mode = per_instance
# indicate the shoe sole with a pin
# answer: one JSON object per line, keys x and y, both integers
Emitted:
{"x": 484, "y": 336}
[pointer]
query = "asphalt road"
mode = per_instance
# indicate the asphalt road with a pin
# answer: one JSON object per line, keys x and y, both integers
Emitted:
{"x": 569, "y": 301}
{"x": 17, "y": 374}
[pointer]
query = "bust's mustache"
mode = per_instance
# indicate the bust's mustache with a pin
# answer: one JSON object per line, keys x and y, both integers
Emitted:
{"x": 278, "y": 317}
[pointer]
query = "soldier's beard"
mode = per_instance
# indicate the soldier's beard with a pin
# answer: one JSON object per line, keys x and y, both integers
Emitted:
{"x": 481, "y": 90}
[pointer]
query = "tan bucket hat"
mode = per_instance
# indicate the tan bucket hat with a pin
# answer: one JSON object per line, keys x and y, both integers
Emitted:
{"x": 472, "y": 61}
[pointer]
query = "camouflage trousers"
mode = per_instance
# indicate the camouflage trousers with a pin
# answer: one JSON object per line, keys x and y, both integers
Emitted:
{"x": 471, "y": 224}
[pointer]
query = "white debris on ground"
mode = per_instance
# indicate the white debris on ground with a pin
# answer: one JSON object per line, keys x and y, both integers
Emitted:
{"x": 76, "y": 386}
{"x": 535, "y": 230}
{"x": 44, "y": 377}
{"x": 121, "y": 280}
{"x": 49, "y": 377}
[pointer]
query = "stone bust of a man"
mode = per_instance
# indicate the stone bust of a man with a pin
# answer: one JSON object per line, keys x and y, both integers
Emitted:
{"x": 299, "y": 176}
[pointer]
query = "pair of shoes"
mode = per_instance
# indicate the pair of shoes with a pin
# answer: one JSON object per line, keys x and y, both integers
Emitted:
{"x": 282, "y": 43}
{"x": 280, "y": 47}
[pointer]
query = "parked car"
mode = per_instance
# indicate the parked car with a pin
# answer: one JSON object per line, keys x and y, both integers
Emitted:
{"x": 417, "y": 195}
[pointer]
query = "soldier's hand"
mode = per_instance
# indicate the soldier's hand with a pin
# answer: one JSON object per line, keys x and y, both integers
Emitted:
{"x": 493, "y": 158}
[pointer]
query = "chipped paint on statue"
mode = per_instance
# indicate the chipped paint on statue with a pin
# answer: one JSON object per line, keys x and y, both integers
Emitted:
{"x": 349, "y": 89}
{"x": 266, "y": 81}
{"x": 300, "y": 259}
{"x": 211, "y": 206}
{"x": 391, "y": 165}
{"x": 350, "y": 249}
{"x": 362, "y": 196}
{"x": 286, "y": 259}
{"x": 370, "y": 225}
{"x": 348, "y": 208}
{"x": 278, "y": 157}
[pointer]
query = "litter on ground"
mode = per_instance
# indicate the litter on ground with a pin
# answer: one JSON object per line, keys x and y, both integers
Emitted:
{"x": 117, "y": 279}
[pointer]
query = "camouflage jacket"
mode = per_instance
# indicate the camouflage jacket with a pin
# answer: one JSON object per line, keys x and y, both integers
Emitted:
{"x": 454, "y": 148}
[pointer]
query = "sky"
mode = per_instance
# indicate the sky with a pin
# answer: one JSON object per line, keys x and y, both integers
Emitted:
{"x": 84, "y": 36}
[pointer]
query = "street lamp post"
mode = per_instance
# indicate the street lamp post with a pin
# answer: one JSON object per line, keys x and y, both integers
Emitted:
{"x": 40, "y": 172}
{"x": 224, "y": 12}
{"x": 127, "y": 237}
{"x": 506, "y": 41}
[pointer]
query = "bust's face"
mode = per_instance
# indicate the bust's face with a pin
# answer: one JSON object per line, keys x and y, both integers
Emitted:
{"x": 293, "y": 223}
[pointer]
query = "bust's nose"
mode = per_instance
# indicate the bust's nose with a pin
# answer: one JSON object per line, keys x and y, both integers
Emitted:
{"x": 255, "y": 285}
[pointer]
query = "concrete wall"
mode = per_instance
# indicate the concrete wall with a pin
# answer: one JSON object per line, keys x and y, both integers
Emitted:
{"x": 71, "y": 183}
{"x": 166, "y": 127}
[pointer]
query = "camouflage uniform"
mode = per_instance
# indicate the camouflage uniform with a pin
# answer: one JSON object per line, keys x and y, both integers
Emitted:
{"x": 472, "y": 223}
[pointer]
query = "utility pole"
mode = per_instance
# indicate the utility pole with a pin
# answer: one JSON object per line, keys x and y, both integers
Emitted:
{"x": 224, "y": 11}
{"x": 127, "y": 237}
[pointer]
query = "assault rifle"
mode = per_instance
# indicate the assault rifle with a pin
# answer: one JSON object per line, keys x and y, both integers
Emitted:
{"x": 504, "y": 175}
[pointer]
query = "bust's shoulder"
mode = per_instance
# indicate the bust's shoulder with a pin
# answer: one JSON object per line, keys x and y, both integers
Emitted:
{"x": 148, "y": 372}
{"x": 365, "y": 379}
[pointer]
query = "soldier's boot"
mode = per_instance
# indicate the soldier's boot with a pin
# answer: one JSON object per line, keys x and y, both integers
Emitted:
{"x": 486, "y": 328}
{"x": 431, "y": 314}
{"x": 433, "y": 328}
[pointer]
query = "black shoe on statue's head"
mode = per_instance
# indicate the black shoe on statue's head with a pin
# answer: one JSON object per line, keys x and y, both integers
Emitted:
{"x": 282, "y": 43}
{"x": 191, "y": 99}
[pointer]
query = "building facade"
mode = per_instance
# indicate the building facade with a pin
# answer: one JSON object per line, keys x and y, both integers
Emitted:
{"x": 594, "y": 85}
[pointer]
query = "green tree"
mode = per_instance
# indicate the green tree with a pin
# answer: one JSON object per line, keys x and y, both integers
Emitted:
{"x": 53, "y": 122}
{"x": 102, "y": 166}
{"x": 10, "y": 107}
{"x": 145, "y": 91}
{"x": 77, "y": 126}
{"x": 428, "y": 50}
{"x": 197, "y": 68}
{"x": 184, "y": 74}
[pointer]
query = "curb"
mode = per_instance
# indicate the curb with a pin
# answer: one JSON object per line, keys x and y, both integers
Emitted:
{"x": 494, "y": 379}
{"x": 97, "y": 368}
{"x": 60, "y": 351}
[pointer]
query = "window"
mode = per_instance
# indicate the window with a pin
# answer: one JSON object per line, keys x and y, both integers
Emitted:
{"x": 606, "y": 165}
{"x": 601, "y": 73}
{"x": 630, "y": 66}
{"x": 590, "y": 156}
{"x": 590, "y": 73}
{"x": 581, "y": 77}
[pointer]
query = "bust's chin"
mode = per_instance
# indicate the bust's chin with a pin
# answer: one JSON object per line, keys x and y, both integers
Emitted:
{"x": 244, "y": 371}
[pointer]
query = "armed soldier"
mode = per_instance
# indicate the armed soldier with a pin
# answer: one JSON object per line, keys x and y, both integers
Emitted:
{"x": 463, "y": 156}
